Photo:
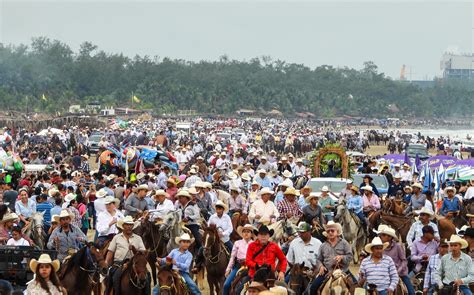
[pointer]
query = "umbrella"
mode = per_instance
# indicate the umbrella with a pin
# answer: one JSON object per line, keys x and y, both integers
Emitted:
{"x": 436, "y": 161}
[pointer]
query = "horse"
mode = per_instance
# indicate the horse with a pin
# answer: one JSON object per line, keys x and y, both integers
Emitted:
{"x": 282, "y": 229}
{"x": 394, "y": 206}
{"x": 401, "y": 224}
{"x": 216, "y": 258}
{"x": 237, "y": 282}
{"x": 173, "y": 221}
{"x": 339, "y": 283}
{"x": 80, "y": 274}
{"x": 170, "y": 283}
{"x": 300, "y": 277}
{"x": 353, "y": 232}
{"x": 238, "y": 219}
{"x": 134, "y": 274}
{"x": 155, "y": 237}
{"x": 446, "y": 228}
{"x": 300, "y": 181}
{"x": 35, "y": 230}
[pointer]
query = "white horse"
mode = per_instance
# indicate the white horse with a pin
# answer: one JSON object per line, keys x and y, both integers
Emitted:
{"x": 282, "y": 230}
{"x": 176, "y": 228}
{"x": 35, "y": 229}
{"x": 351, "y": 229}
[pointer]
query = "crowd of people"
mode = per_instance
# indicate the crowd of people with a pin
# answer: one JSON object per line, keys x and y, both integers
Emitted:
{"x": 80, "y": 201}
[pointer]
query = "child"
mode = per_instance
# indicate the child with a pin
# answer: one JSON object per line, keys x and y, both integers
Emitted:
{"x": 17, "y": 239}
{"x": 181, "y": 260}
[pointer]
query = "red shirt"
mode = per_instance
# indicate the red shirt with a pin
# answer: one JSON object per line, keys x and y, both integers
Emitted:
{"x": 268, "y": 256}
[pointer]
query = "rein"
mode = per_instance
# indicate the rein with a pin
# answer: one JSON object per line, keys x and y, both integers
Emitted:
{"x": 170, "y": 287}
{"x": 137, "y": 283}
{"x": 216, "y": 258}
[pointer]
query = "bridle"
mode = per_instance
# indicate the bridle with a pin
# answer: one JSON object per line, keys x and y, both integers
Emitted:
{"x": 94, "y": 270}
{"x": 139, "y": 284}
{"x": 207, "y": 251}
{"x": 169, "y": 287}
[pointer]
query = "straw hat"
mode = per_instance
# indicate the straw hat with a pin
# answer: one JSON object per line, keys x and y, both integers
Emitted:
{"x": 455, "y": 239}
{"x": 397, "y": 175}
{"x": 355, "y": 188}
{"x": 266, "y": 190}
{"x": 160, "y": 192}
{"x": 101, "y": 193}
{"x": 287, "y": 174}
{"x": 386, "y": 230}
{"x": 110, "y": 199}
{"x": 184, "y": 237}
{"x": 425, "y": 210}
{"x": 418, "y": 185}
{"x": 406, "y": 165}
{"x": 221, "y": 204}
{"x": 450, "y": 188}
{"x": 112, "y": 177}
{"x": 140, "y": 176}
{"x": 287, "y": 182}
{"x": 249, "y": 227}
{"x": 184, "y": 193}
{"x": 334, "y": 225}
{"x": 199, "y": 184}
{"x": 290, "y": 191}
{"x": 312, "y": 196}
{"x": 408, "y": 188}
{"x": 141, "y": 187}
{"x": 64, "y": 213}
{"x": 207, "y": 185}
{"x": 255, "y": 183}
{"x": 367, "y": 188}
{"x": 127, "y": 220}
{"x": 325, "y": 188}
{"x": 262, "y": 171}
{"x": 375, "y": 242}
{"x": 192, "y": 191}
{"x": 44, "y": 259}
{"x": 279, "y": 290}
{"x": 306, "y": 187}
{"x": 231, "y": 175}
{"x": 9, "y": 217}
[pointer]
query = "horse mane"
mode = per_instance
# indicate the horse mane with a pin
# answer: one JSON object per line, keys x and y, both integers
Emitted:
{"x": 166, "y": 267}
{"x": 262, "y": 273}
{"x": 76, "y": 259}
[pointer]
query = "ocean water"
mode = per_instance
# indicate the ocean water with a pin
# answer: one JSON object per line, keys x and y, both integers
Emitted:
{"x": 460, "y": 134}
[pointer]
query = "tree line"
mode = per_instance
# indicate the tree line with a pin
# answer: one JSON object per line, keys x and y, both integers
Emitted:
{"x": 48, "y": 76}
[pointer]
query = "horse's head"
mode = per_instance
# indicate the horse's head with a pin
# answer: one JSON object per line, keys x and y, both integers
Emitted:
{"x": 166, "y": 280}
{"x": 172, "y": 218}
{"x": 37, "y": 224}
{"x": 211, "y": 236}
{"x": 98, "y": 258}
{"x": 340, "y": 211}
{"x": 299, "y": 278}
{"x": 264, "y": 274}
{"x": 139, "y": 263}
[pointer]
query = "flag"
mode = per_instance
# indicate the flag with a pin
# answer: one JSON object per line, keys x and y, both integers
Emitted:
{"x": 442, "y": 175}
{"x": 414, "y": 168}
{"x": 436, "y": 180}
{"x": 136, "y": 99}
{"x": 428, "y": 177}
{"x": 407, "y": 159}
{"x": 417, "y": 161}
{"x": 43, "y": 97}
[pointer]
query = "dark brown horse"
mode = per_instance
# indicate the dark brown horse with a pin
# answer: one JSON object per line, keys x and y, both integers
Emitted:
{"x": 134, "y": 275}
{"x": 401, "y": 224}
{"x": 80, "y": 274}
{"x": 216, "y": 258}
{"x": 300, "y": 276}
{"x": 238, "y": 219}
{"x": 394, "y": 206}
{"x": 170, "y": 282}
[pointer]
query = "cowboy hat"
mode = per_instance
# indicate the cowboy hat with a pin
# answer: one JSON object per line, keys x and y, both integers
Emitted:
{"x": 140, "y": 176}
{"x": 254, "y": 182}
{"x": 455, "y": 239}
{"x": 207, "y": 184}
{"x": 306, "y": 187}
{"x": 287, "y": 174}
{"x": 199, "y": 184}
{"x": 69, "y": 197}
{"x": 397, "y": 165}
{"x": 257, "y": 285}
{"x": 368, "y": 176}
{"x": 386, "y": 230}
{"x": 54, "y": 218}
{"x": 127, "y": 220}
{"x": 245, "y": 176}
{"x": 279, "y": 290}
{"x": 325, "y": 188}
{"x": 9, "y": 217}
{"x": 75, "y": 173}
{"x": 141, "y": 187}
{"x": 64, "y": 213}
{"x": 184, "y": 237}
{"x": 367, "y": 188}
{"x": 263, "y": 230}
{"x": 53, "y": 191}
{"x": 287, "y": 182}
{"x": 418, "y": 185}
{"x": 110, "y": 200}
{"x": 284, "y": 159}
{"x": 184, "y": 193}
{"x": 349, "y": 181}
{"x": 334, "y": 225}
{"x": 375, "y": 242}
{"x": 160, "y": 192}
{"x": 262, "y": 171}
{"x": 408, "y": 188}
{"x": 299, "y": 160}
{"x": 231, "y": 175}
{"x": 112, "y": 177}
{"x": 312, "y": 196}
{"x": 241, "y": 229}
{"x": 219, "y": 203}
{"x": 397, "y": 175}
{"x": 355, "y": 188}
{"x": 450, "y": 188}
{"x": 425, "y": 210}
{"x": 470, "y": 215}
{"x": 290, "y": 191}
{"x": 406, "y": 165}
{"x": 44, "y": 259}
{"x": 266, "y": 190}
{"x": 85, "y": 156}
{"x": 233, "y": 187}
{"x": 101, "y": 193}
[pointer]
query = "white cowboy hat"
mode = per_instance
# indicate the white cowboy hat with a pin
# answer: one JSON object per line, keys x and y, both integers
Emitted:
{"x": 397, "y": 165}
{"x": 418, "y": 185}
{"x": 386, "y": 230}
{"x": 53, "y": 191}
{"x": 184, "y": 237}
{"x": 110, "y": 199}
{"x": 221, "y": 204}
{"x": 397, "y": 175}
{"x": 367, "y": 188}
{"x": 332, "y": 224}
{"x": 160, "y": 192}
{"x": 291, "y": 191}
{"x": 349, "y": 181}
{"x": 254, "y": 182}
{"x": 266, "y": 190}
{"x": 278, "y": 290}
{"x": 76, "y": 173}
{"x": 425, "y": 210}
{"x": 199, "y": 184}
{"x": 312, "y": 196}
{"x": 455, "y": 239}
{"x": 140, "y": 176}
{"x": 127, "y": 220}
{"x": 112, "y": 177}
{"x": 325, "y": 188}
{"x": 245, "y": 176}
{"x": 375, "y": 242}
{"x": 192, "y": 171}
{"x": 287, "y": 182}
{"x": 233, "y": 187}
{"x": 263, "y": 171}
{"x": 249, "y": 227}
{"x": 85, "y": 156}
{"x": 184, "y": 193}
{"x": 231, "y": 175}
{"x": 287, "y": 174}
{"x": 64, "y": 213}
{"x": 69, "y": 197}
{"x": 192, "y": 191}
{"x": 44, "y": 259}
{"x": 406, "y": 165}
{"x": 408, "y": 188}
{"x": 208, "y": 185}
{"x": 284, "y": 158}
{"x": 9, "y": 217}
{"x": 450, "y": 188}
{"x": 299, "y": 160}
{"x": 101, "y": 193}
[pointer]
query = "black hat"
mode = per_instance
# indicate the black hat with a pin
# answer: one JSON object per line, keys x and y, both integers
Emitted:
{"x": 469, "y": 232}
{"x": 368, "y": 176}
{"x": 264, "y": 230}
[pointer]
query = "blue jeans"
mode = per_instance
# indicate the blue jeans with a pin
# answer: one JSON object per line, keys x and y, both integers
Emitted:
{"x": 465, "y": 290}
{"x": 328, "y": 217}
{"x": 407, "y": 282}
{"x": 229, "y": 280}
{"x": 189, "y": 282}
{"x": 229, "y": 245}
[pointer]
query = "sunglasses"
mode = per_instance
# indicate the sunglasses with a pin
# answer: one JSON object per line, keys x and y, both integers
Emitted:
{"x": 331, "y": 230}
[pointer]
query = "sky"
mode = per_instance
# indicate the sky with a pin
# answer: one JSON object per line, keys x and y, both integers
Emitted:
{"x": 313, "y": 33}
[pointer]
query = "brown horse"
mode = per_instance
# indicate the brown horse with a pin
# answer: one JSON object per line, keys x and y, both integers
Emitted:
{"x": 216, "y": 259}
{"x": 446, "y": 228}
{"x": 339, "y": 283}
{"x": 170, "y": 283}
{"x": 394, "y": 206}
{"x": 300, "y": 277}
{"x": 134, "y": 275}
{"x": 401, "y": 224}
{"x": 238, "y": 219}
{"x": 80, "y": 274}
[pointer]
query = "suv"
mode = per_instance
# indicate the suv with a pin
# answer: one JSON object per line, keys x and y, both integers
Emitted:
{"x": 380, "y": 182}
{"x": 420, "y": 149}
{"x": 94, "y": 140}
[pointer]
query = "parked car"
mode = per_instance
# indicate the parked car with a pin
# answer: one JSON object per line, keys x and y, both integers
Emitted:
{"x": 380, "y": 181}
{"x": 94, "y": 140}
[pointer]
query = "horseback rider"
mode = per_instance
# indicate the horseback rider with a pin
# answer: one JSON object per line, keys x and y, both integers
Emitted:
{"x": 264, "y": 209}
{"x": 371, "y": 201}
{"x": 379, "y": 269}
{"x": 456, "y": 267}
{"x": 190, "y": 215}
{"x": 136, "y": 203}
{"x": 313, "y": 213}
{"x": 106, "y": 220}
{"x": 335, "y": 252}
{"x": 119, "y": 251}
{"x": 395, "y": 186}
{"x": 451, "y": 204}
{"x": 181, "y": 260}
{"x": 163, "y": 205}
{"x": 355, "y": 204}
{"x": 66, "y": 238}
{"x": 223, "y": 223}
{"x": 429, "y": 282}
{"x": 423, "y": 248}
{"x": 303, "y": 249}
{"x": 288, "y": 207}
{"x": 417, "y": 200}
{"x": 416, "y": 229}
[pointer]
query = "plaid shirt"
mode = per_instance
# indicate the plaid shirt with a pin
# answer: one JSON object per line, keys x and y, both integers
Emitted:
{"x": 431, "y": 269}
{"x": 285, "y": 207}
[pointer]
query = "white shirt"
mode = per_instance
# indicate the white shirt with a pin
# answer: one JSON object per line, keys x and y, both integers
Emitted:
{"x": 20, "y": 242}
{"x": 164, "y": 208}
{"x": 299, "y": 171}
{"x": 469, "y": 193}
{"x": 99, "y": 205}
{"x": 181, "y": 158}
{"x": 223, "y": 224}
{"x": 103, "y": 220}
{"x": 221, "y": 163}
{"x": 299, "y": 252}
{"x": 265, "y": 210}
{"x": 406, "y": 175}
